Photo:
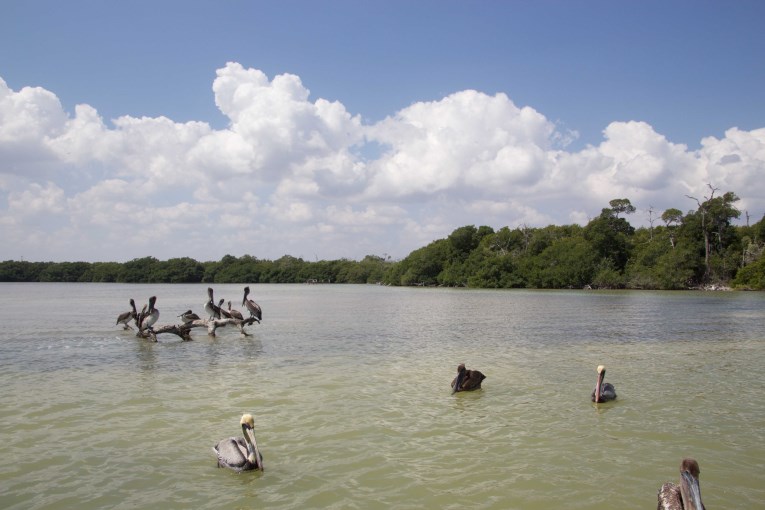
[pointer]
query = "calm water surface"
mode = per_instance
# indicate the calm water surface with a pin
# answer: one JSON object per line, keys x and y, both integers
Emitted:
{"x": 349, "y": 386}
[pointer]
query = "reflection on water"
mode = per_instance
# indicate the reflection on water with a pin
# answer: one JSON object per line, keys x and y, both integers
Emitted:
{"x": 349, "y": 386}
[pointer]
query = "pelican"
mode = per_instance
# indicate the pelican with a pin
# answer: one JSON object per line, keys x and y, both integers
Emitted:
{"x": 210, "y": 307}
{"x": 240, "y": 454}
{"x": 141, "y": 316}
{"x": 189, "y": 316}
{"x": 467, "y": 380}
{"x": 687, "y": 495}
{"x": 126, "y": 317}
{"x": 252, "y": 306}
{"x": 152, "y": 314}
{"x": 236, "y": 314}
{"x": 225, "y": 314}
{"x": 603, "y": 391}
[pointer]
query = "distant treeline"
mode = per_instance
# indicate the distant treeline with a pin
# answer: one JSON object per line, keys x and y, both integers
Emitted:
{"x": 229, "y": 269}
{"x": 677, "y": 251}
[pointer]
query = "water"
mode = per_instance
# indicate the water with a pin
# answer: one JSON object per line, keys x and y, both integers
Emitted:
{"x": 349, "y": 386}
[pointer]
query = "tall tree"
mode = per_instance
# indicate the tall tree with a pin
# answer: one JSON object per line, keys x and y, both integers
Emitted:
{"x": 672, "y": 218}
{"x": 610, "y": 235}
{"x": 715, "y": 215}
{"x": 621, "y": 206}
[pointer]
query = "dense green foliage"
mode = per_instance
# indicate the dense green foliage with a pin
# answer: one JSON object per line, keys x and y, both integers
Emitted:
{"x": 186, "y": 270}
{"x": 699, "y": 248}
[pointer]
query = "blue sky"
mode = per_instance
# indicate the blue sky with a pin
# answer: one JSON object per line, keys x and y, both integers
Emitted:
{"x": 593, "y": 101}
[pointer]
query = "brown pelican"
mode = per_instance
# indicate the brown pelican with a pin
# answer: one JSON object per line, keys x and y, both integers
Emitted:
{"x": 603, "y": 391}
{"x": 125, "y": 317}
{"x": 240, "y": 454}
{"x": 141, "y": 316}
{"x": 151, "y": 316}
{"x": 225, "y": 314}
{"x": 189, "y": 316}
{"x": 252, "y": 306}
{"x": 687, "y": 495}
{"x": 210, "y": 307}
{"x": 236, "y": 314}
{"x": 467, "y": 380}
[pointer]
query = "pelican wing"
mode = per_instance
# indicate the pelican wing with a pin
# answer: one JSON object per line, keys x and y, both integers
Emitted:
{"x": 232, "y": 454}
{"x": 669, "y": 497}
{"x": 472, "y": 380}
{"x": 124, "y": 317}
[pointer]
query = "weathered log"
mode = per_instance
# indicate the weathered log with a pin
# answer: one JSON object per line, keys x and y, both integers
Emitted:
{"x": 184, "y": 330}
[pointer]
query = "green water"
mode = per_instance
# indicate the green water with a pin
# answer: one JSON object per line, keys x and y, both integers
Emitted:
{"x": 349, "y": 386}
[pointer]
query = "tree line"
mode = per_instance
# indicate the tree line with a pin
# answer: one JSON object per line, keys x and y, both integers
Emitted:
{"x": 699, "y": 248}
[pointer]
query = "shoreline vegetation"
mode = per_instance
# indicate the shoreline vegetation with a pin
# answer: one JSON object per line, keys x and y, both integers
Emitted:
{"x": 697, "y": 250}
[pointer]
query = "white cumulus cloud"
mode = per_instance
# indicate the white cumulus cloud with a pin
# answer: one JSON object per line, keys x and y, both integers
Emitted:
{"x": 295, "y": 175}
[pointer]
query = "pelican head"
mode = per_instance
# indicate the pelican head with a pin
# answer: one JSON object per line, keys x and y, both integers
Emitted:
{"x": 246, "y": 292}
{"x": 689, "y": 484}
{"x": 248, "y": 429}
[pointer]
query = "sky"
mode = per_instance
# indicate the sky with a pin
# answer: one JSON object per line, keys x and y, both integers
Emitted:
{"x": 340, "y": 129}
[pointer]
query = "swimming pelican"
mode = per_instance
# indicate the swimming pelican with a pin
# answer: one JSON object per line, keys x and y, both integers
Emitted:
{"x": 210, "y": 307}
{"x": 189, "y": 316}
{"x": 252, "y": 306}
{"x": 236, "y": 314}
{"x": 603, "y": 391}
{"x": 686, "y": 496}
{"x": 126, "y": 317}
{"x": 467, "y": 380}
{"x": 240, "y": 454}
{"x": 151, "y": 316}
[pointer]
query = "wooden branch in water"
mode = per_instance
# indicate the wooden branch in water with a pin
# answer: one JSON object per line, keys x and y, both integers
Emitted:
{"x": 184, "y": 330}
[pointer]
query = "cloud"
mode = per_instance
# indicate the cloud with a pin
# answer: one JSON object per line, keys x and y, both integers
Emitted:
{"x": 468, "y": 141}
{"x": 294, "y": 175}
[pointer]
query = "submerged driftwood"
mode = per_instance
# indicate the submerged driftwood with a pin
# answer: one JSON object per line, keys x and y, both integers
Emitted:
{"x": 184, "y": 330}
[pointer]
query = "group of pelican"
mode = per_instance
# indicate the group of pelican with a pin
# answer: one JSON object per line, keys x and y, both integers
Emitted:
{"x": 686, "y": 496}
{"x": 216, "y": 311}
{"x": 242, "y": 453}
{"x": 144, "y": 319}
{"x": 149, "y": 314}
{"x": 469, "y": 380}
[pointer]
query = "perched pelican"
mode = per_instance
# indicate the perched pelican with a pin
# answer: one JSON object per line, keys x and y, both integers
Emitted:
{"x": 210, "y": 307}
{"x": 126, "y": 317}
{"x": 687, "y": 495}
{"x": 252, "y": 306}
{"x": 151, "y": 315}
{"x": 603, "y": 391}
{"x": 141, "y": 316}
{"x": 236, "y": 314}
{"x": 467, "y": 380}
{"x": 240, "y": 454}
{"x": 225, "y": 314}
{"x": 189, "y": 316}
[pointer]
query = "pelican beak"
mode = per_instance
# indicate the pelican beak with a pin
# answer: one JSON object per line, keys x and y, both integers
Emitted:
{"x": 252, "y": 448}
{"x": 458, "y": 383}
{"x": 691, "y": 491}
{"x": 598, "y": 386}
